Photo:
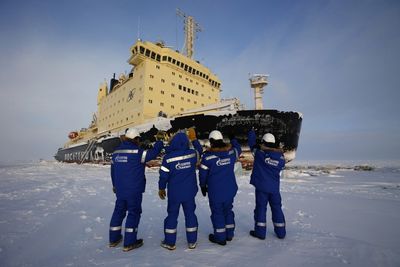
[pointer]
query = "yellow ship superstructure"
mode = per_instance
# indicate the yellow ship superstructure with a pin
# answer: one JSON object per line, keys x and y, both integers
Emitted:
{"x": 162, "y": 82}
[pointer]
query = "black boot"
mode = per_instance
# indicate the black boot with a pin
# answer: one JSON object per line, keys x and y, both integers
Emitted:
{"x": 253, "y": 234}
{"x": 167, "y": 246}
{"x": 137, "y": 244}
{"x": 212, "y": 239}
{"x": 114, "y": 244}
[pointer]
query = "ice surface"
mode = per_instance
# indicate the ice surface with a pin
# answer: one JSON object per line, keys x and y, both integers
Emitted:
{"x": 54, "y": 214}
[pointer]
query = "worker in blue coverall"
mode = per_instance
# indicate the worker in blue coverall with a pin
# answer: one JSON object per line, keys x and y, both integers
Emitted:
{"x": 178, "y": 172}
{"x": 129, "y": 181}
{"x": 217, "y": 177}
{"x": 265, "y": 177}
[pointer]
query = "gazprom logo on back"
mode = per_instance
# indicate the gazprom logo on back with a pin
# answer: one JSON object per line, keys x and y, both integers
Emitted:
{"x": 183, "y": 165}
{"x": 121, "y": 158}
{"x": 272, "y": 162}
{"x": 222, "y": 162}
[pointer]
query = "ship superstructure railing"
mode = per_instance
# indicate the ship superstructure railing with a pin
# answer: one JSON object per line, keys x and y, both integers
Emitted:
{"x": 87, "y": 150}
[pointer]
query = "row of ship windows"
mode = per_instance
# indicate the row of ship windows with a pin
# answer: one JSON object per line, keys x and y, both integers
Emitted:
{"x": 173, "y": 95}
{"x": 180, "y": 76}
{"x": 172, "y": 106}
{"x": 116, "y": 123}
{"x": 182, "y": 88}
{"x": 151, "y": 54}
{"x": 163, "y": 93}
{"x": 151, "y": 101}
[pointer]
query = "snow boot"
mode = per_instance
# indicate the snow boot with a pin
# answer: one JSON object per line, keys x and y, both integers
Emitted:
{"x": 116, "y": 243}
{"x": 280, "y": 235}
{"x": 229, "y": 238}
{"x": 253, "y": 234}
{"x": 137, "y": 244}
{"x": 167, "y": 246}
{"x": 213, "y": 240}
{"x": 192, "y": 245}
{"x": 280, "y": 232}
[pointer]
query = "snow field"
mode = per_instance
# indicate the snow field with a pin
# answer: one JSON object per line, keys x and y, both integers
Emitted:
{"x": 54, "y": 214}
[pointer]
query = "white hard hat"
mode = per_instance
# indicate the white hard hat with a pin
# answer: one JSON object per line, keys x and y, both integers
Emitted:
{"x": 269, "y": 138}
{"x": 131, "y": 133}
{"x": 216, "y": 135}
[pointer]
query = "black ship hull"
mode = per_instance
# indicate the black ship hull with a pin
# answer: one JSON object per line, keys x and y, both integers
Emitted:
{"x": 285, "y": 126}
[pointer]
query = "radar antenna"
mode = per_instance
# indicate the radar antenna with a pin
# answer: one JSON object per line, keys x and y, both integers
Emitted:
{"x": 191, "y": 28}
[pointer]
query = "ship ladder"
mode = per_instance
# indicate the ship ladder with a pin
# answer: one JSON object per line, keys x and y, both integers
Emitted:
{"x": 87, "y": 150}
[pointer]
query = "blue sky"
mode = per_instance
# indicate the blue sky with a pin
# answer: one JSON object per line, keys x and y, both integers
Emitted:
{"x": 337, "y": 62}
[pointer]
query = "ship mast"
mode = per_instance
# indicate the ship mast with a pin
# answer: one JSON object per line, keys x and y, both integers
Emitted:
{"x": 191, "y": 28}
{"x": 258, "y": 82}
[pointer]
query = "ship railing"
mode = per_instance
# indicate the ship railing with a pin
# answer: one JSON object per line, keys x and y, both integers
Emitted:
{"x": 87, "y": 150}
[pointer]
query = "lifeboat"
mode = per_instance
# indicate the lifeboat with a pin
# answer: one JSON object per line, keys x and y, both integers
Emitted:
{"x": 72, "y": 135}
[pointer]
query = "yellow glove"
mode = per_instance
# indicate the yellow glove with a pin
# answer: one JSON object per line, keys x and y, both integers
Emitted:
{"x": 162, "y": 194}
{"x": 191, "y": 133}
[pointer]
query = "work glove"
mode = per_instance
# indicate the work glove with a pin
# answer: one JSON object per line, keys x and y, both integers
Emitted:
{"x": 204, "y": 190}
{"x": 162, "y": 194}
{"x": 114, "y": 190}
{"x": 191, "y": 133}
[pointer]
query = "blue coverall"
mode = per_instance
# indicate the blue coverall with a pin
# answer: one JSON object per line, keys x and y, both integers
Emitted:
{"x": 217, "y": 173}
{"x": 265, "y": 177}
{"x": 128, "y": 178}
{"x": 178, "y": 172}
